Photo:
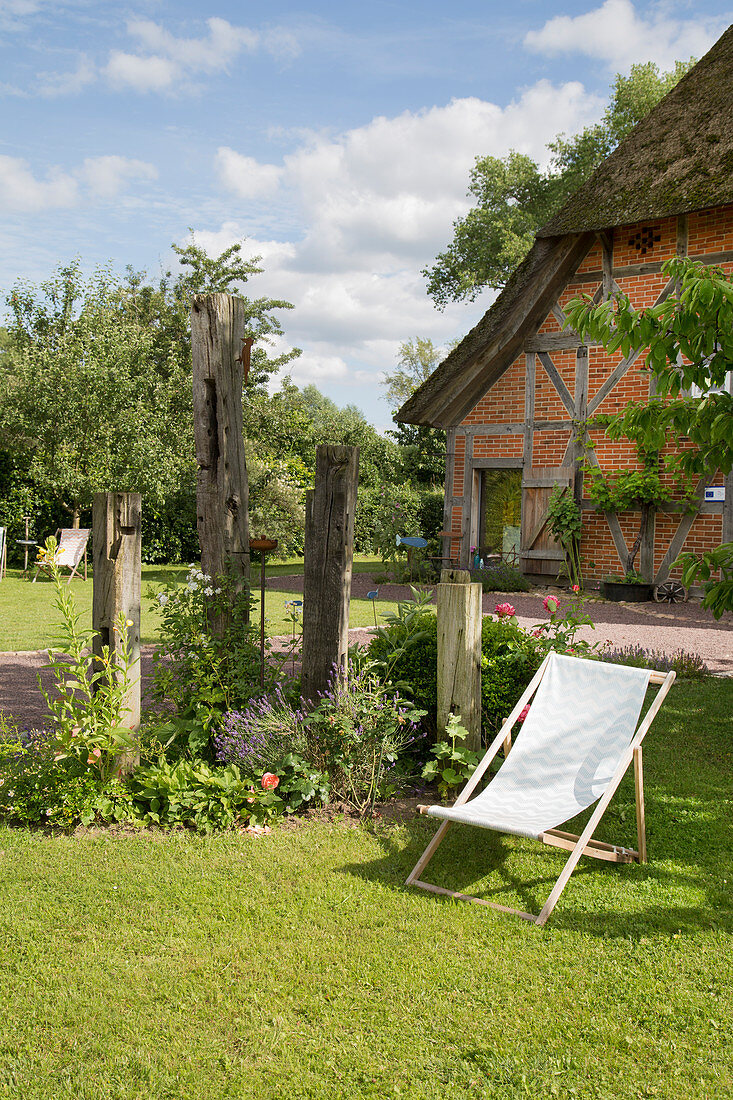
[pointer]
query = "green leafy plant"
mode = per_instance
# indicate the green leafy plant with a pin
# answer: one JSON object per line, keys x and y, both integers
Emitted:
{"x": 629, "y": 490}
{"x": 559, "y": 631}
{"x": 690, "y": 357}
{"x": 38, "y": 789}
{"x": 453, "y": 763}
{"x": 189, "y": 793}
{"x": 88, "y": 708}
{"x": 565, "y": 523}
{"x": 356, "y": 734}
{"x": 200, "y": 675}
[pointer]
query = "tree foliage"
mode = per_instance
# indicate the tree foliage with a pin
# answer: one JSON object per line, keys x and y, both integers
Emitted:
{"x": 514, "y": 196}
{"x": 95, "y": 377}
{"x": 689, "y": 342}
{"x": 422, "y": 448}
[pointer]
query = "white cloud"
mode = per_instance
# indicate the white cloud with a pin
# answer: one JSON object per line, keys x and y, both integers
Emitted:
{"x": 244, "y": 176}
{"x": 616, "y": 34}
{"x": 142, "y": 74}
{"x": 14, "y": 12}
{"x": 107, "y": 176}
{"x": 98, "y": 178}
{"x": 167, "y": 63}
{"x": 21, "y": 191}
{"x": 209, "y": 54}
{"x": 376, "y": 204}
{"x": 57, "y": 84}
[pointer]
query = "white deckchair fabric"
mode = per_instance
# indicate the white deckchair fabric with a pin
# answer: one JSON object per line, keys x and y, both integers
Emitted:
{"x": 582, "y": 718}
{"x": 71, "y": 547}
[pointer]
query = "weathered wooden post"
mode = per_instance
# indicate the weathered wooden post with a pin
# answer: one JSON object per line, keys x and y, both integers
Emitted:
{"x": 222, "y": 497}
{"x": 329, "y": 552}
{"x": 117, "y": 539}
{"x": 459, "y": 652}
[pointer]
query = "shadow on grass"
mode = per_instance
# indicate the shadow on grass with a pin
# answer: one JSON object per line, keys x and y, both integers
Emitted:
{"x": 655, "y": 898}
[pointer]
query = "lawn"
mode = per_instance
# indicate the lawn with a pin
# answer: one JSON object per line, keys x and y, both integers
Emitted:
{"x": 297, "y": 964}
{"x": 27, "y": 615}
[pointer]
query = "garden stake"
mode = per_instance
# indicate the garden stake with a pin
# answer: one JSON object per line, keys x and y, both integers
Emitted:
{"x": 373, "y": 596}
{"x": 263, "y": 545}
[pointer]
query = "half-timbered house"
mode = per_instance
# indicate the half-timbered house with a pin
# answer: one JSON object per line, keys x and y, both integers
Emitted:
{"x": 512, "y": 392}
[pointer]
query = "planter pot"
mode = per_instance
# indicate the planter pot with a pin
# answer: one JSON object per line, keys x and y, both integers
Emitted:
{"x": 618, "y": 591}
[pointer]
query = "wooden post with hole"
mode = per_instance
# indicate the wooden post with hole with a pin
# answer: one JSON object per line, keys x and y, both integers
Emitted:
{"x": 459, "y": 653}
{"x": 117, "y": 540}
{"x": 329, "y": 551}
{"x": 222, "y": 497}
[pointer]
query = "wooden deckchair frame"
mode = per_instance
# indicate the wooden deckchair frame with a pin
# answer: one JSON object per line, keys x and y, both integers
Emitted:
{"x": 46, "y": 568}
{"x": 577, "y": 845}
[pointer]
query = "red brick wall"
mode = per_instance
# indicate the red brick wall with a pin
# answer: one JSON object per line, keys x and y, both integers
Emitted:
{"x": 710, "y": 232}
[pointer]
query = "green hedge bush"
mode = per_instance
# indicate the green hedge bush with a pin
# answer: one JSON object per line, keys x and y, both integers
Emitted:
{"x": 505, "y": 671}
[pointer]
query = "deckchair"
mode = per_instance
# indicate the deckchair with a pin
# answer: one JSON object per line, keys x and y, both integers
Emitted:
{"x": 72, "y": 547}
{"x": 576, "y": 743}
{"x": 3, "y": 551}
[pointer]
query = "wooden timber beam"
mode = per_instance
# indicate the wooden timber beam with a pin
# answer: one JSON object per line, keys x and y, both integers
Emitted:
{"x": 649, "y": 268}
{"x": 555, "y": 377}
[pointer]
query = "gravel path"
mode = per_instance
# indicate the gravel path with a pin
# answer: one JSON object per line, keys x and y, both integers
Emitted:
{"x": 662, "y": 627}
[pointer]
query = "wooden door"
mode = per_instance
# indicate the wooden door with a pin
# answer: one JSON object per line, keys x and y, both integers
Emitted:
{"x": 540, "y": 552}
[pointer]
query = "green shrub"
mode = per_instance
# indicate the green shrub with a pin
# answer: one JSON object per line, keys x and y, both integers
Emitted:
{"x": 189, "y": 793}
{"x": 415, "y": 668}
{"x": 510, "y": 657}
{"x": 36, "y": 789}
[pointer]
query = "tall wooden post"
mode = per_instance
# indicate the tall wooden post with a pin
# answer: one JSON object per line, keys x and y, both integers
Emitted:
{"x": 117, "y": 542}
{"x": 329, "y": 551}
{"x": 459, "y": 652}
{"x": 222, "y": 497}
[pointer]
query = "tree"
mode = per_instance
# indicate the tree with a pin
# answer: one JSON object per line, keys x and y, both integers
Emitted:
{"x": 422, "y": 448}
{"x": 689, "y": 338}
{"x": 515, "y": 197}
{"x": 96, "y": 380}
{"x": 80, "y": 402}
{"x": 165, "y": 308}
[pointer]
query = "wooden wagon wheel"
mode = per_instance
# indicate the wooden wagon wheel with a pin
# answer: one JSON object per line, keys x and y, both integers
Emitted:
{"x": 670, "y": 592}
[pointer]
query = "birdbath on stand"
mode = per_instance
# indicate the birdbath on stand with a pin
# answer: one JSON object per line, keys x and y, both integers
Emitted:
{"x": 264, "y": 546}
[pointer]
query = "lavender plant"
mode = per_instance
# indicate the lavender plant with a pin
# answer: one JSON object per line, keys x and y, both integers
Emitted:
{"x": 688, "y": 665}
{"x": 357, "y": 733}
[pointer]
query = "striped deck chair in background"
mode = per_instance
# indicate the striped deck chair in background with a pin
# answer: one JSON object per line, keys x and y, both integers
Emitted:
{"x": 71, "y": 549}
{"x": 3, "y": 551}
{"x": 574, "y": 748}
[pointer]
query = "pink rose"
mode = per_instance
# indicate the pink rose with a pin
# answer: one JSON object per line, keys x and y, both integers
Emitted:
{"x": 576, "y": 588}
{"x": 524, "y": 713}
{"x": 504, "y": 610}
{"x": 269, "y": 781}
{"x": 551, "y": 604}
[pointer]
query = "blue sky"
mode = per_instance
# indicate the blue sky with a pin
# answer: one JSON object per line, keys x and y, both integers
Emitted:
{"x": 337, "y": 138}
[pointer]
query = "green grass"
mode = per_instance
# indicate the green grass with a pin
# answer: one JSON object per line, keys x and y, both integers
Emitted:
{"x": 297, "y": 965}
{"x": 28, "y": 617}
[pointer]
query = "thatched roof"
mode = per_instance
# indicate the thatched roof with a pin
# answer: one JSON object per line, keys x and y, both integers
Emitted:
{"x": 678, "y": 159}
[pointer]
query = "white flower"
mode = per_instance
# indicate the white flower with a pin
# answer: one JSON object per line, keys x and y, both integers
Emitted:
{"x": 162, "y": 599}
{"x": 209, "y": 591}
{"x": 204, "y": 576}
{"x": 217, "y": 591}
{"x": 192, "y": 587}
